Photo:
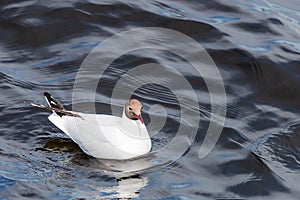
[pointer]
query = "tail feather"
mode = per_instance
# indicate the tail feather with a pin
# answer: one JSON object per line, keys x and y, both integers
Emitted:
{"x": 53, "y": 103}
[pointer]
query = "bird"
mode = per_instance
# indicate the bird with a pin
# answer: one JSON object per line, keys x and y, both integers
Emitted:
{"x": 103, "y": 136}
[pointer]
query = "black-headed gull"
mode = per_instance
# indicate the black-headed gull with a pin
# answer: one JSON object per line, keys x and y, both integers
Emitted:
{"x": 103, "y": 136}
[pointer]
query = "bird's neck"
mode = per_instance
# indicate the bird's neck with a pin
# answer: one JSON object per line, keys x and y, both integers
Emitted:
{"x": 133, "y": 127}
{"x": 126, "y": 120}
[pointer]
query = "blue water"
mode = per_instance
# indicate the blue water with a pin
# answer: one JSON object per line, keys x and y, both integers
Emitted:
{"x": 255, "y": 46}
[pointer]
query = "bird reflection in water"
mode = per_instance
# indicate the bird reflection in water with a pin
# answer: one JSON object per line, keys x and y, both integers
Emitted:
{"x": 126, "y": 172}
{"x": 127, "y": 188}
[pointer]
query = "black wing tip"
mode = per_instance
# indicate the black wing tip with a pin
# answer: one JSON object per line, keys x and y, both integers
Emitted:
{"x": 53, "y": 103}
{"x": 47, "y": 94}
{"x": 48, "y": 98}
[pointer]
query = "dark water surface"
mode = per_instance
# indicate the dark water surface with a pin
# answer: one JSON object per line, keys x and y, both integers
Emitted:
{"x": 255, "y": 45}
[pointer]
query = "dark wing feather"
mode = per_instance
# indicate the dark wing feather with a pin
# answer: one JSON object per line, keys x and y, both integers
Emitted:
{"x": 53, "y": 103}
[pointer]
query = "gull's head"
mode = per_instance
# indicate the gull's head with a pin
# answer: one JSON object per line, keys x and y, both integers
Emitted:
{"x": 133, "y": 110}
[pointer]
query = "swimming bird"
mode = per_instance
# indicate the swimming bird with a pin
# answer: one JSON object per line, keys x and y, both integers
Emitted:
{"x": 103, "y": 136}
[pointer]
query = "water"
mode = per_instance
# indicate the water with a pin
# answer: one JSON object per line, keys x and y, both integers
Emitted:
{"x": 256, "y": 48}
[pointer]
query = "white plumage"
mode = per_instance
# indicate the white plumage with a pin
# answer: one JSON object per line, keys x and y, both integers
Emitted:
{"x": 103, "y": 136}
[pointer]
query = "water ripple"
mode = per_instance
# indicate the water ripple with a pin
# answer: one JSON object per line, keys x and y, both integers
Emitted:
{"x": 255, "y": 46}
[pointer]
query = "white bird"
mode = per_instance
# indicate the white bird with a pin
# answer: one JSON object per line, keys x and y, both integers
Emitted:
{"x": 103, "y": 136}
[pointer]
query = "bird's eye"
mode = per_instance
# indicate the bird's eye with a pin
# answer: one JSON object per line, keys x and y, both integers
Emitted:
{"x": 129, "y": 108}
